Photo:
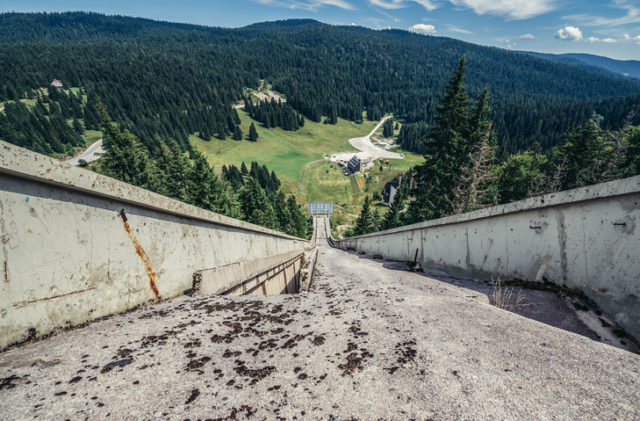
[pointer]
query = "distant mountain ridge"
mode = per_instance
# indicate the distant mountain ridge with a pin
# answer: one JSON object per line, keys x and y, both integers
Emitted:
{"x": 627, "y": 68}
{"x": 164, "y": 80}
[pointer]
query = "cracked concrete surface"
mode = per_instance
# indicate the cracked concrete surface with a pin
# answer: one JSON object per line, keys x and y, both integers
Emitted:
{"x": 369, "y": 342}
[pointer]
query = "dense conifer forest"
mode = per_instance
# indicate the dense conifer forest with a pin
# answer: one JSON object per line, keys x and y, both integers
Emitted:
{"x": 252, "y": 195}
{"x": 463, "y": 173}
{"x": 165, "y": 81}
{"x": 149, "y": 85}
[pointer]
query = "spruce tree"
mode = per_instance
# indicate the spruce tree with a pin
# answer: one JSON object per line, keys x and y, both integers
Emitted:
{"x": 123, "y": 159}
{"x": 253, "y": 133}
{"x": 446, "y": 151}
{"x": 579, "y": 153}
{"x": 237, "y": 133}
{"x": 393, "y": 217}
{"x": 298, "y": 221}
{"x": 366, "y": 222}
{"x": 77, "y": 126}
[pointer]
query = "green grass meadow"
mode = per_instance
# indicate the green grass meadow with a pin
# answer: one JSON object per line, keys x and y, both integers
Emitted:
{"x": 297, "y": 158}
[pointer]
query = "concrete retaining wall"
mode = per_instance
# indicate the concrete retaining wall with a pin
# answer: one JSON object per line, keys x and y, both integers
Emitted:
{"x": 77, "y": 246}
{"x": 587, "y": 236}
{"x": 269, "y": 275}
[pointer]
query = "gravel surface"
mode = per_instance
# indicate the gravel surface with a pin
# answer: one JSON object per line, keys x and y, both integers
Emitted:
{"x": 368, "y": 151}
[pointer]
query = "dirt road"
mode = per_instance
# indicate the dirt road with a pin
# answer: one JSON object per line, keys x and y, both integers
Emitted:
{"x": 92, "y": 153}
{"x": 368, "y": 151}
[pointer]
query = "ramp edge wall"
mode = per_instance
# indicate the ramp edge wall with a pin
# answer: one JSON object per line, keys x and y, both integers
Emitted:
{"x": 584, "y": 238}
{"x": 76, "y": 245}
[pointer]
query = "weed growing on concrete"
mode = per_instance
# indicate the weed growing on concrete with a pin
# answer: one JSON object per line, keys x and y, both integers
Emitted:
{"x": 505, "y": 298}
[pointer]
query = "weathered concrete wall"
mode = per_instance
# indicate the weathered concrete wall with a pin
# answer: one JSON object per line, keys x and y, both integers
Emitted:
{"x": 588, "y": 237}
{"x": 275, "y": 274}
{"x": 77, "y": 246}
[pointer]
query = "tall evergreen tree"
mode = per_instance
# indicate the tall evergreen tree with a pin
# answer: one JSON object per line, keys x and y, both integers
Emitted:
{"x": 255, "y": 205}
{"x": 394, "y": 216}
{"x": 253, "y": 133}
{"x": 77, "y": 126}
{"x": 299, "y": 226}
{"x": 581, "y": 150}
{"x": 366, "y": 222}
{"x": 387, "y": 128}
{"x": 445, "y": 151}
{"x": 123, "y": 159}
{"x": 237, "y": 133}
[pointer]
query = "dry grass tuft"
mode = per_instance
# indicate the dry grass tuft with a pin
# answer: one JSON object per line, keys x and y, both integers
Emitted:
{"x": 506, "y": 298}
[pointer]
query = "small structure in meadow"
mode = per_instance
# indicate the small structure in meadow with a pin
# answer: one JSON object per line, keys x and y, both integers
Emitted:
{"x": 354, "y": 164}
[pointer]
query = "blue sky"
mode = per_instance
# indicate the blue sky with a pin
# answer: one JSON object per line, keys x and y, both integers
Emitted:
{"x": 604, "y": 27}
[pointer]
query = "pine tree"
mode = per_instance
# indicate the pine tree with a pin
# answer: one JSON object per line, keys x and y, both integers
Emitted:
{"x": 299, "y": 224}
{"x": 387, "y": 128}
{"x": 123, "y": 159}
{"x": 77, "y": 126}
{"x": 253, "y": 133}
{"x": 393, "y": 217}
{"x": 237, "y": 133}
{"x": 446, "y": 151}
{"x": 366, "y": 222}
{"x": 521, "y": 175}
{"x": 178, "y": 170}
{"x": 632, "y": 161}
{"x": 578, "y": 154}
{"x": 255, "y": 205}
{"x": 471, "y": 185}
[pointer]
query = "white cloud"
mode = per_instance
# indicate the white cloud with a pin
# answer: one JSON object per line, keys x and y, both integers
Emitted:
{"x": 391, "y": 4}
{"x": 506, "y": 41}
{"x": 427, "y": 4}
{"x": 627, "y": 37}
{"x": 569, "y": 33}
{"x": 400, "y": 4}
{"x": 527, "y": 36}
{"x": 421, "y": 28}
{"x": 632, "y": 15}
{"x": 311, "y": 5}
{"x": 515, "y": 9}
{"x": 452, "y": 28}
{"x": 608, "y": 40}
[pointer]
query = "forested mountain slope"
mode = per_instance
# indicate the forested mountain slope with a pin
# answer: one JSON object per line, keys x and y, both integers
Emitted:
{"x": 628, "y": 68}
{"x": 164, "y": 81}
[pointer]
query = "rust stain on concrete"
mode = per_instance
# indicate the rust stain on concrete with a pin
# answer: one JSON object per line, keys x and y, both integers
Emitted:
{"x": 153, "y": 278}
{"x": 24, "y": 303}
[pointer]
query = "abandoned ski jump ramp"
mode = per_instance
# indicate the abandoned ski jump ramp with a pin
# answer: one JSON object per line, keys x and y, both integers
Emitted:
{"x": 369, "y": 340}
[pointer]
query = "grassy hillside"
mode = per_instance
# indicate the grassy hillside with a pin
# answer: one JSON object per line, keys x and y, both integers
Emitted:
{"x": 297, "y": 158}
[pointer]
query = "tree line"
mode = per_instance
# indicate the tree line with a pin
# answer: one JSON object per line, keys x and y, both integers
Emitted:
{"x": 251, "y": 195}
{"x": 274, "y": 114}
{"x": 166, "y": 81}
{"x": 462, "y": 172}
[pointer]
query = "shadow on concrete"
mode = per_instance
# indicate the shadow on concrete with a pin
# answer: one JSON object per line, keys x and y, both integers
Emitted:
{"x": 546, "y": 307}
